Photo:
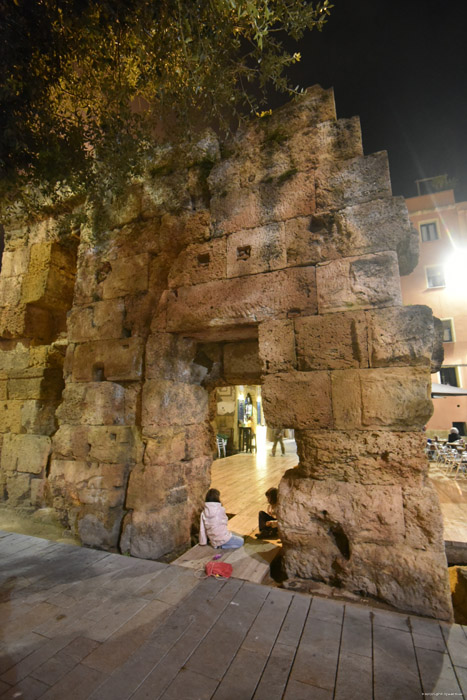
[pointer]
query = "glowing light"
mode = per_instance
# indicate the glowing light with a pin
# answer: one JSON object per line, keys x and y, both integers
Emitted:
{"x": 455, "y": 269}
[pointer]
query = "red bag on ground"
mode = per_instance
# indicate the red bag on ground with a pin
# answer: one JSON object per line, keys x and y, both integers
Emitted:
{"x": 219, "y": 569}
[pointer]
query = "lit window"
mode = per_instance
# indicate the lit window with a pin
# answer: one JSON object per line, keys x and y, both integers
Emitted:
{"x": 448, "y": 375}
{"x": 429, "y": 232}
{"x": 435, "y": 276}
{"x": 448, "y": 331}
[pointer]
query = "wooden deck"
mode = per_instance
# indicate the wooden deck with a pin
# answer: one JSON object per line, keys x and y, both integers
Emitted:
{"x": 242, "y": 481}
{"x": 79, "y": 624}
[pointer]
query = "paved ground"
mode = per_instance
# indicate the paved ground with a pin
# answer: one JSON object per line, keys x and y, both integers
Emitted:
{"x": 77, "y": 623}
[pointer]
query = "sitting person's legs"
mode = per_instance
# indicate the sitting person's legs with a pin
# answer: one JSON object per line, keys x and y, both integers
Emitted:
{"x": 234, "y": 543}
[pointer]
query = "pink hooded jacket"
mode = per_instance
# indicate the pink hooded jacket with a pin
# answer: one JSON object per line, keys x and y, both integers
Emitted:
{"x": 213, "y": 525}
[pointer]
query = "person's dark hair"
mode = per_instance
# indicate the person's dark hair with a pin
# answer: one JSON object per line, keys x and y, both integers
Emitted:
{"x": 213, "y": 496}
{"x": 272, "y": 494}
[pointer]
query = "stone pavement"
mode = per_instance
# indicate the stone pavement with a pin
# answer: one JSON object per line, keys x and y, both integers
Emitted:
{"x": 78, "y": 623}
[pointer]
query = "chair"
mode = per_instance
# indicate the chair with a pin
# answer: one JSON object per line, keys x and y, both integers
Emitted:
{"x": 221, "y": 445}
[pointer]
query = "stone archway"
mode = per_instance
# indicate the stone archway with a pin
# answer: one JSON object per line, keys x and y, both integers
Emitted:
{"x": 302, "y": 246}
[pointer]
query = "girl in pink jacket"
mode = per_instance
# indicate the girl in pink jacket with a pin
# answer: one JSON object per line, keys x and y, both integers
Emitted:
{"x": 213, "y": 525}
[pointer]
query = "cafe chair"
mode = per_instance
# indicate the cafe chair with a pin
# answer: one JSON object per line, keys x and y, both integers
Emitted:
{"x": 221, "y": 445}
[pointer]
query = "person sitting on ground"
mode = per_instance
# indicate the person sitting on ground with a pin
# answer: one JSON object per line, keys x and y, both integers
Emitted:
{"x": 267, "y": 520}
{"x": 213, "y": 524}
{"x": 278, "y": 437}
{"x": 453, "y": 435}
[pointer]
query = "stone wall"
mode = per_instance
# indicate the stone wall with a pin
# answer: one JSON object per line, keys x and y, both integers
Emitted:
{"x": 288, "y": 242}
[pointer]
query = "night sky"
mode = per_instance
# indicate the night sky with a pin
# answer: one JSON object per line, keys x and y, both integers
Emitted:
{"x": 402, "y": 67}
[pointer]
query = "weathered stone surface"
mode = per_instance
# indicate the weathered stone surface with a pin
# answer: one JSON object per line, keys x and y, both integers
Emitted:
{"x": 89, "y": 483}
{"x": 346, "y": 513}
{"x": 113, "y": 360}
{"x": 27, "y": 322}
{"x": 358, "y": 283}
{"x": 10, "y": 417}
{"x": 437, "y": 353}
{"x": 423, "y": 518}
{"x": 71, "y": 441}
{"x": 352, "y": 182}
{"x": 37, "y": 417}
{"x": 125, "y": 276}
{"x": 169, "y": 356}
{"x": 166, "y": 403}
{"x": 333, "y": 341}
{"x": 343, "y": 548}
{"x": 149, "y": 535}
{"x": 365, "y": 457}
{"x": 93, "y": 403}
{"x": 241, "y": 363}
{"x": 100, "y": 321}
{"x": 115, "y": 444}
{"x": 18, "y": 489}
{"x": 277, "y": 346}
{"x": 289, "y": 194}
{"x": 49, "y": 386}
{"x": 397, "y": 399}
{"x": 370, "y": 227}
{"x": 241, "y": 301}
{"x": 50, "y": 276}
{"x": 15, "y": 262}
{"x": 25, "y": 453}
{"x": 256, "y": 250}
{"x": 400, "y": 336}
{"x": 202, "y": 262}
{"x": 298, "y": 399}
{"x": 10, "y": 291}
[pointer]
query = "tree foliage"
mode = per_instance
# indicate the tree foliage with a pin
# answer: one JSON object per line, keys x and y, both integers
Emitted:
{"x": 87, "y": 85}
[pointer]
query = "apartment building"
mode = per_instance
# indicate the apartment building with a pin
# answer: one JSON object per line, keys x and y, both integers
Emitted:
{"x": 440, "y": 281}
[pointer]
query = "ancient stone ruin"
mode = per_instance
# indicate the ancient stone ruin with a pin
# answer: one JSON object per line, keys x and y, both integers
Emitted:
{"x": 272, "y": 259}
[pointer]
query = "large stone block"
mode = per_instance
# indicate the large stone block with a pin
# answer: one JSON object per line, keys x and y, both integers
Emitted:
{"x": 256, "y": 250}
{"x": 150, "y": 488}
{"x": 100, "y": 321}
{"x": 167, "y": 403}
{"x": 10, "y": 417}
{"x": 400, "y": 336}
{"x": 351, "y": 182}
{"x": 276, "y": 198}
{"x": 49, "y": 386}
{"x": 202, "y": 262}
{"x": 240, "y": 301}
{"x": 71, "y": 442}
{"x": 396, "y": 399}
{"x": 115, "y": 445}
{"x": 370, "y": 227}
{"x": 358, "y": 283}
{"x": 27, "y": 321}
{"x": 37, "y": 417}
{"x": 93, "y": 403}
{"x": 277, "y": 346}
{"x": 241, "y": 363}
{"x": 298, "y": 400}
{"x": 18, "y": 489}
{"x": 332, "y": 341}
{"x": 15, "y": 262}
{"x": 3, "y": 390}
{"x": 25, "y": 453}
{"x": 423, "y": 518}
{"x": 49, "y": 281}
{"x": 345, "y": 513}
{"x": 10, "y": 290}
{"x": 89, "y": 483}
{"x": 113, "y": 360}
{"x": 150, "y": 535}
{"x": 170, "y": 357}
{"x": 125, "y": 276}
{"x": 367, "y": 457}
{"x": 355, "y": 537}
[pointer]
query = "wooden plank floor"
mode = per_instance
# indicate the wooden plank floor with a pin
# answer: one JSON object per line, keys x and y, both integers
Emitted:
{"x": 79, "y": 624}
{"x": 242, "y": 481}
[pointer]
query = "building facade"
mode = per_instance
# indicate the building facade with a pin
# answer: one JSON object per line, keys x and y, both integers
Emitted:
{"x": 440, "y": 281}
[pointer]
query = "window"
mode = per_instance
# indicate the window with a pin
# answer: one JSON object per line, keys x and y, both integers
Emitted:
{"x": 448, "y": 330}
{"x": 448, "y": 375}
{"x": 435, "y": 276}
{"x": 429, "y": 232}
